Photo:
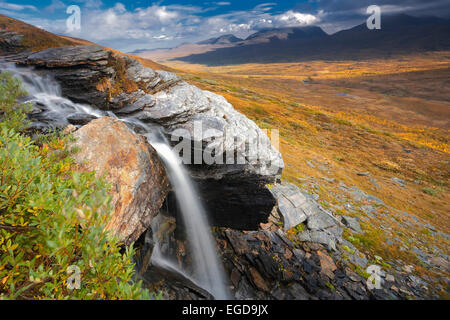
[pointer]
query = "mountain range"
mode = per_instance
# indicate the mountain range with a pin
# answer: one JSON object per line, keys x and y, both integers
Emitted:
{"x": 399, "y": 34}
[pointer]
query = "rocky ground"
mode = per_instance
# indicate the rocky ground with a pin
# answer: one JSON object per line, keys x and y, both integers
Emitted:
{"x": 313, "y": 262}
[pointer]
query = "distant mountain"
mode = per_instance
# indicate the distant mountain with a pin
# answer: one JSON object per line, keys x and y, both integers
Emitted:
{"x": 226, "y": 39}
{"x": 399, "y": 34}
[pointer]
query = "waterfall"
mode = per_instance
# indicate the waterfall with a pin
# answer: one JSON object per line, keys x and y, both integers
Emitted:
{"x": 208, "y": 272}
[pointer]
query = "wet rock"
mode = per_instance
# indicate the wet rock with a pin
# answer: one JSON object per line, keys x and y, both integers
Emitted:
{"x": 298, "y": 292}
{"x": 258, "y": 280}
{"x": 235, "y": 277}
{"x": 138, "y": 178}
{"x": 80, "y": 118}
{"x": 239, "y": 244}
{"x": 142, "y": 101}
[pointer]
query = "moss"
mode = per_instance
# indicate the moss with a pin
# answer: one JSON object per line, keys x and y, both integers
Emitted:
{"x": 361, "y": 272}
{"x": 330, "y": 286}
{"x": 430, "y": 192}
{"x": 300, "y": 228}
{"x": 121, "y": 83}
{"x": 346, "y": 248}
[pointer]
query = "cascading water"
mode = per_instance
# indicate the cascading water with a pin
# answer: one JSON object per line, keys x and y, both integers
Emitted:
{"x": 206, "y": 265}
{"x": 46, "y": 92}
{"x": 208, "y": 273}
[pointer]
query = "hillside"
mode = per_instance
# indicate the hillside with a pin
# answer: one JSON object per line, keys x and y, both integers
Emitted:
{"x": 35, "y": 39}
{"x": 353, "y": 132}
{"x": 32, "y": 38}
{"x": 226, "y": 39}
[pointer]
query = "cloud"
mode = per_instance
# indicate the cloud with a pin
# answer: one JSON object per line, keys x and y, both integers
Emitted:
{"x": 16, "y": 7}
{"x": 157, "y": 25}
{"x": 90, "y": 4}
{"x": 297, "y": 18}
{"x": 55, "y": 5}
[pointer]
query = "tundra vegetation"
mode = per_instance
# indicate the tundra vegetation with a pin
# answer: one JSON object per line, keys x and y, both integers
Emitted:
{"x": 379, "y": 125}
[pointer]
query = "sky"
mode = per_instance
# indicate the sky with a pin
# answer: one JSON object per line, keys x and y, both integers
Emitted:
{"x": 145, "y": 24}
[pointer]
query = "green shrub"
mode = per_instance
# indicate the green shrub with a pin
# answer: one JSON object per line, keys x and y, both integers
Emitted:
{"x": 52, "y": 218}
{"x": 429, "y": 191}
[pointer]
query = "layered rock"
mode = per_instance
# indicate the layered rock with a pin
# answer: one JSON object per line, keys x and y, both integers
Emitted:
{"x": 138, "y": 180}
{"x": 78, "y": 70}
{"x": 10, "y": 42}
{"x": 233, "y": 186}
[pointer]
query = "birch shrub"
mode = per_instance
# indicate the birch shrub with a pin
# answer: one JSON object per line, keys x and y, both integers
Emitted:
{"x": 52, "y": 218}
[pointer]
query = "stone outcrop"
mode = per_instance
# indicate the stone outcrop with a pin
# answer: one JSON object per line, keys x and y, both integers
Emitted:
{"x": 10, "y": 42}
{"x": 138, "y": 180}
{"x": 235, "y": 192}
{"x": 78, "y": 70}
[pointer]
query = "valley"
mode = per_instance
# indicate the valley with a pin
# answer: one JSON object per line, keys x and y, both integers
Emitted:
{"x": 355, "y": 128}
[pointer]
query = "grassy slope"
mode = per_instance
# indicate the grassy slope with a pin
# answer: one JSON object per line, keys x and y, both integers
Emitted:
{"x": 37, "y": 39}
{"x": 348, "y": 118}
{"x": 34, "y": 38}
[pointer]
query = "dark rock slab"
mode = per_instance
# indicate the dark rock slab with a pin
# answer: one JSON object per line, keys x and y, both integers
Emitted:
{"x": 80, "y": 118}
{"x": 69, "y": 56}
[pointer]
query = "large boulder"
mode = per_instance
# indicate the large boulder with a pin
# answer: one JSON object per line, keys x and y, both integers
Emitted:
{"x": 137, "y": 176}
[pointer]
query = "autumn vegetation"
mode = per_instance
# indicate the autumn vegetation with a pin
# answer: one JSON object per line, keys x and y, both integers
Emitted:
{"x": 52, "y": 217}
{"x": 387, "y": 117}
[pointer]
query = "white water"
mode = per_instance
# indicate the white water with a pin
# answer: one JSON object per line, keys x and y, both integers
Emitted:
{"x": 45, "y": 91}
{"x": 208, "y": 272}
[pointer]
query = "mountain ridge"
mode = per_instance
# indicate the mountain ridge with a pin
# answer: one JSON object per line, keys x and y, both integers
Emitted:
{"x": 225, "y": 39}
{"x": 399, "y": 34}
